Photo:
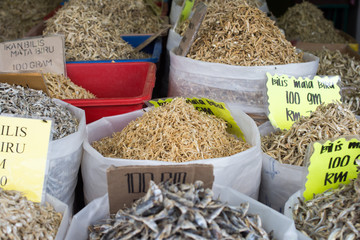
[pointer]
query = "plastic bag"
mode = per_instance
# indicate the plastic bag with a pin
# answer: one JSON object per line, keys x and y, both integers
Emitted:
{"x": 64, "y": 160}
{"x": 240, "y": 171}
{"x": 278, "y": 181}
{"x": 240, "y": 87}
{"x": 98, "y": 209}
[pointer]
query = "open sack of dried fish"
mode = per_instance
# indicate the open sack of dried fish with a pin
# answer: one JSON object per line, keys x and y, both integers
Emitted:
{"x": 221, "y": 213}
{"x": 332, "y": 214}
{"x": 93, "y": 28}
{"x": 236, "y": 46}
{"x": 283, "y": 162}
{"x": 65, "y": 149}
{"x": 24, "y": 219}
{"x": 62, "y": 87}
{"x": 306, "y": 22}
{"x": 174, "y": 134}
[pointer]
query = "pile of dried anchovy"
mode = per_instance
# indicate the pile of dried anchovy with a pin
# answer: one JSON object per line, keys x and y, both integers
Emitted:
{"x": 174, "y": 132}
{"x": 306, "y": 22}
{"x": 348, "y": 68}
{"x": 17, "y": 17}
{"x": 62, "y": 87}
{"x": 24, "y": 219}
{"x": 93, "y": 28}
{"x": 333, "y": 214}
{"x": 28, "y": 102}
{"x": 327, "y": 121}
{"x": 186, "y": 211}
{"x": 239, "y": 34}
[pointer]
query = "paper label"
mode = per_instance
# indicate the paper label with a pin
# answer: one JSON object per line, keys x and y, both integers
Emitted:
{"x": 210, "y": 107}
{"x": 290, "y": 98}
{"x": 126, "y": 184}
{"x": 44, "y": 54}
{"x": 331, "y": 163}
{"x": 23, "y": 154}
{"x": 187, "y": 7}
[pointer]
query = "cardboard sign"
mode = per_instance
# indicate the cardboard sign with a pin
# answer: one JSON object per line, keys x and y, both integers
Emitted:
{"x": 210, "y": 107}
{"x": 331, "y": 163}
{"x": 31, "y": 80}
{"x": 44, "y": 54}
{"x": 290, "y": 98}
{"x": 128, "y": 183}
{"x": 23, "y": 154}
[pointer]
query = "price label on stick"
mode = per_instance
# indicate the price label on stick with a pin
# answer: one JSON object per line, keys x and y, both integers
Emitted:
{"x": 331, "y": 163}
{"x": 290, "y": 98}
{"x": 23, "y": 154}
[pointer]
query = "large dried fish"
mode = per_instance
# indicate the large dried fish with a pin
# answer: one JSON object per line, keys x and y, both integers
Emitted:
{"x": 348, "y": 68}
{"x": 62, "y": 87}
{"x": 239, "y": 34}
{"x": 24, "y": 219}
{"x": 326, "y": 122}
{"x": 307, "y": 23}
{"x": 17, "y": 17}
{"x": 185, "y": 211}
{"x": 26, "y": 102}
{"x": 175, "y": 132}
{"x": 93, "y": 28}
{"x": 333, "y": 214}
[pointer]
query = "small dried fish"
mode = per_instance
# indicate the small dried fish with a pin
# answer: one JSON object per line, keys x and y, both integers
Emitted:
{"x": 307, "y": 23}
{"x": 239, "y": 34}
{"x": 174, "y": 132}
{"x": 348, "y": 68}
{"x": 182, "y": 211}
{"x": 333, "y": 214}
{"x": 326, "y": 122}
{"x": 26, "y": 102}
{"x": 24, "y": 219}
{"x": 93, "y": 28}
{"x": 62, "y": 87}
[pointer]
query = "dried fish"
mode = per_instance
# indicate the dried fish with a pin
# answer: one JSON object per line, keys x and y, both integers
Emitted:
{"x": 307, "y": 23}
{"x": 239, "y": 34}
{"x": 327, "y": 121}
{"x": 17, "y": 17}
{"x": 62, "y": 87}
{"x": 348, "y": 68}
{"x": 24, "y": 219}
{"x": 174, "y": 132}
{"x": 171, "y": 214}
{"x": 26, "y": 102}
{"x": 333, "y": 214}
{"x": 93, "y": 28}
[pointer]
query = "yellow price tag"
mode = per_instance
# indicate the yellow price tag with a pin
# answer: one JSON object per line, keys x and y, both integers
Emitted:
{"x": 210, "y": 107}
{"x": 290, "y": 98}
{"x": 187, "y": 7}
{"x": 331, "y": 163}
{"x": 23, "y": 154}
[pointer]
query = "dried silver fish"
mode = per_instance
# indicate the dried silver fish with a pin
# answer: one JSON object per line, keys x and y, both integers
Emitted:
{"x": 182, "y": 211}
{"x": 24, "y": 219}
{"x": 26, "y": 102}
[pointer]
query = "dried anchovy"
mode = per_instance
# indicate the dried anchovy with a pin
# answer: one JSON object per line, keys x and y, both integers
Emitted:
{"x": 17, "y": 17}
{"x": 239, "y": 34}
{"x": 93, "y": 28}
{"x": 333, "y": 214}
{"x": 175, "y": 132}
{"x": 348, "y": 68}
{"x": 24, "y": 219}
{"x": 186, "y": 211}
{"x": 28, "y": 102}
{"x": 326, "y": 122}
{"x": 62, "y": 87}
{"x": 307, "y": 23}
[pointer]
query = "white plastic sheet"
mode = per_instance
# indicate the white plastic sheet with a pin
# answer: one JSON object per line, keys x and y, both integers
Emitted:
{"x": 64, "y": 160}
{"x": 240, "y": 171}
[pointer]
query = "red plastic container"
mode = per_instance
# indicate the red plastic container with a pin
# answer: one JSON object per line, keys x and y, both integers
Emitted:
{"x": 119, "y": 87}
